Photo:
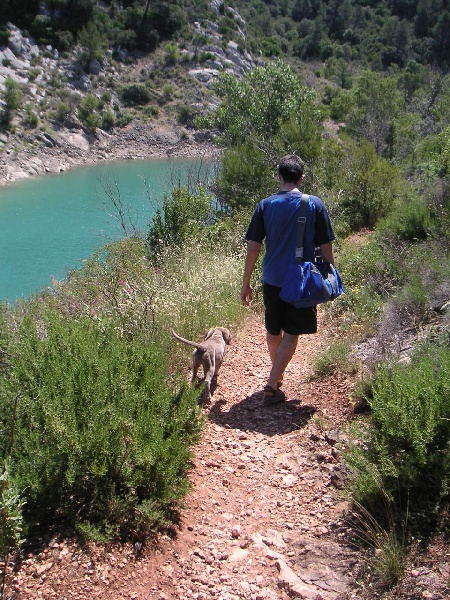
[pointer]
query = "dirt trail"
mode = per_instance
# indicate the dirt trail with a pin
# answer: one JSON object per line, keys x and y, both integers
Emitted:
{"x": 264, "y": 519}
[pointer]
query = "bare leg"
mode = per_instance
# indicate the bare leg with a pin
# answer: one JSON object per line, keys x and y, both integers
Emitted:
{"x": 281, "y": 350}
{"x": 273, "y": 341}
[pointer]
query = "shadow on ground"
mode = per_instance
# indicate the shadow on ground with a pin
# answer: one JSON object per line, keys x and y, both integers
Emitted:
{"x": 250, "y": 414}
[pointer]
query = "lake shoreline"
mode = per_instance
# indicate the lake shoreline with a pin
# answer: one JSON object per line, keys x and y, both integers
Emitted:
{"x": 56, "y": 152}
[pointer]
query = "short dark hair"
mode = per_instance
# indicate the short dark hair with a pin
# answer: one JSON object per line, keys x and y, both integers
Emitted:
{"x": 291, "y": 168}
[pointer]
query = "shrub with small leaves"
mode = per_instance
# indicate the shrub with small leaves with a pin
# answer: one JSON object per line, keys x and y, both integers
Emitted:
{"x": 100, "y": 435}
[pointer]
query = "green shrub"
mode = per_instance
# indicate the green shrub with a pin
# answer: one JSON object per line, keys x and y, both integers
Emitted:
{"x": 31, "y": 118}
{"x": 371, "y": 270}
{"x": 135, "y": 94}
{"x": 204, "y": 56}
{"x": 245, "y": 177}
{"x": 123, "y": 118}
{"x": 108, "y": 119}
{"x": 407, "y": 450}
{"x": 4, "y": 37}
{"x": 411, "y": 220}
{"x": 11, "y": 521}
{"x": 172, "y": 54}
{"x": 167, "y": 92}
{"x": 182, "y": 216}
{"x": 88, "y": 112}
{"x": 370, "y": 185}
{"x": 335, "y": 358}
{"x": 185, "y": 113}
{"x": 387, "y": 561}
{"x": 12, "y": 97}
{"x": 62, "y": 111}
{"x": 341, "y": 105}
{"x": 151, "y": 110}
{"x": 33, "y": 74}
{"x": 100, "y": 437}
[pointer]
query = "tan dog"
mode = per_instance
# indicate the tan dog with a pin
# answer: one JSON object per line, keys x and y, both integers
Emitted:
{"x": 209, "y": 354}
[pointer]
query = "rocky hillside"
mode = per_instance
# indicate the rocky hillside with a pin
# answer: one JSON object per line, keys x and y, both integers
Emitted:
{"x": 51, "y": 131}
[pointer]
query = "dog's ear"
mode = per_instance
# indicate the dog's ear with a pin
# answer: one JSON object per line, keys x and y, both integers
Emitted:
{"x": 209, "y": 334}
{"x": 226, "y": 335}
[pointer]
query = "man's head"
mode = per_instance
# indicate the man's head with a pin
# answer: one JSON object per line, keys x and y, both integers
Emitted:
{"x": 291, "y": 168}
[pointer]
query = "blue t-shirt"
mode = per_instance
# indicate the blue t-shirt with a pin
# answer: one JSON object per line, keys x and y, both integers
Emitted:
{"x": 275, "y": 220}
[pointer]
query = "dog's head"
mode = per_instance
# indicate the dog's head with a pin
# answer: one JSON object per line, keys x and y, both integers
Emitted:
{"x": 223, "y": 331}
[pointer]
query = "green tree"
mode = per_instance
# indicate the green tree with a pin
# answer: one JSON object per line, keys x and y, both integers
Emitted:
{"x": 441, "y": 40}
{"x": 92, "y": 43}
{"x": 377, "y": 104}
{"x": 440, "y": 158}
{"x": 370, "y": 186}
{"x": 269, "y": 112}
{"x": 396, "y": 36}
{"x": 182, "y": 217}
{"x": 256, "y": 106}
{"x": 337, "y": 70}
{"x": 12, "y": 97}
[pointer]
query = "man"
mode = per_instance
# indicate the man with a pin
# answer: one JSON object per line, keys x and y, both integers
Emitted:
{"x": 275, "y": 221}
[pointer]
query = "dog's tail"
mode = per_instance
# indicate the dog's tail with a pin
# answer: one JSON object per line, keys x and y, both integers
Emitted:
{"x": 188, "y": 342}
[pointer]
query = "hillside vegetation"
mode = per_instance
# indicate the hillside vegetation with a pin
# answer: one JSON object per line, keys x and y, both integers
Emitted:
{"x": 97, "y": 423}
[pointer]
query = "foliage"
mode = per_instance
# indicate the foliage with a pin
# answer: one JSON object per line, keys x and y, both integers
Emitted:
{"x": 135, "y": 94}
{"x": 245, "y": 177}
{"x": 380, "y": 35}
{"x": 172, "y": 54}
{"x": 389, "y": 548}
{"x": 371, "y": 186}
{"x": 407, "y": 444}
{"x": 11, "y": 522}
{"x": 12, "y": 97}
{"x": 334, "y": 358}
{"x": 409, "y": 220}
{"x": 92, "y": 44}
{"x": 62, "y": 111}
{"x": 377, "y": 102}
{"x": 99, "y": 435}
{"x": 393, "y": 135}
{"x": 440, "y": 158}
{"x": 261, "y": 102}
{"x": 88, "y": 112}
{"x": 183, "y": 215}
{"x": 263, "y": 116}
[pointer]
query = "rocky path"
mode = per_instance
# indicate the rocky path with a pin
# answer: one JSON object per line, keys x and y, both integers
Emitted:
{"x": 264, "y": 519}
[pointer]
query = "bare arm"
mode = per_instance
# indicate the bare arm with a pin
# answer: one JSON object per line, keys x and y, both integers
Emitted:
{"x": 327, "y": 252}
{"x": 253, "y": 249}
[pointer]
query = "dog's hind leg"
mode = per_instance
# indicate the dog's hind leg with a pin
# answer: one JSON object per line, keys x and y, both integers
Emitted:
{"x": 209, "y": 370}
{"x": 196, "y": 361}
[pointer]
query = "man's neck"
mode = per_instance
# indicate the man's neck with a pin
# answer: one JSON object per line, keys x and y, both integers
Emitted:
{"x": 289, "y": 187}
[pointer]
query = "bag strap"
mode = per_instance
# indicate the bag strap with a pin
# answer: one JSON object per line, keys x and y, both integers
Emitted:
{"x": 301, "y": 221}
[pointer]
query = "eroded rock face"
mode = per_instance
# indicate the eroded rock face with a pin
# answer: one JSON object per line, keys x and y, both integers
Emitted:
{"x": 15, "y": 59}
{"x": 25, "y": 151}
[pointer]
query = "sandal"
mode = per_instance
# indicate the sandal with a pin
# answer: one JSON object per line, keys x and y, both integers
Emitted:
{"x": 272, "y": 396}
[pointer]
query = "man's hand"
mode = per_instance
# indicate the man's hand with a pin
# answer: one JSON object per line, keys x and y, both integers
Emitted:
{"x": 246, "y": 295}
{"x": 253, "y": 249}
{"x": 327, "y": 252}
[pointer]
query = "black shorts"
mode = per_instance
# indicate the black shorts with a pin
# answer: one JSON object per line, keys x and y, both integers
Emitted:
{"x": 282, "y": 316}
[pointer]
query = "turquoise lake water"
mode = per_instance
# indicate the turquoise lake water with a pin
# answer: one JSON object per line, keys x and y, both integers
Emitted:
{"x": 50, "y": 224}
